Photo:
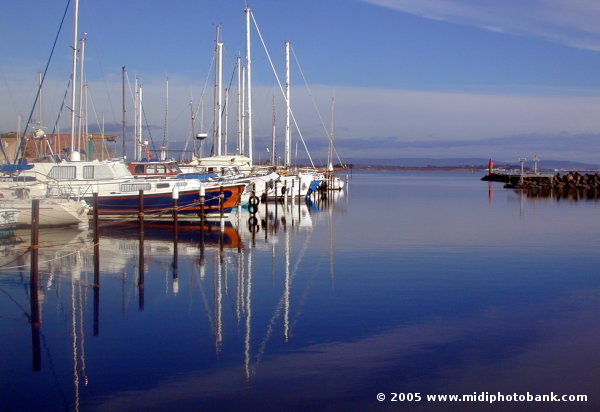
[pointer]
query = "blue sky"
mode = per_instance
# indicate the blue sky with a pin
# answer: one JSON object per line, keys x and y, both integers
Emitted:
{"x": 411, "y": 78}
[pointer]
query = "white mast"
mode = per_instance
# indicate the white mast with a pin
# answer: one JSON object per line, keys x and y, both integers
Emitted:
{"x": 138, "y": 121}
{"x": 165, "y": 146}
{"x": 249, "y": 84}
{"x": 202, "y": 128}
{"x": 330, "y": 154}
{"x": 218, "y": 95}
{"x": 86, "y": 128}
{"x": 103, "y": 141}
{"x": 226, "y": 129}
{"x": 80, "y": 104}
{"x": 72, "y": 155}
{"x": 140, "y": 113}
{"x": 273, "y": 137}
{"x": 40, "y": 113}
{"x": 288, "y": 129}
{"x": 238, "y": 147}
{"x": 243, "y": 127}
{"x": 135, "y": 122}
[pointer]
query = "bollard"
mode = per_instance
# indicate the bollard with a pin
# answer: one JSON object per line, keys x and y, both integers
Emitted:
{"x": 175, "y": 215}
{"x": 141, "y": 210}
{"x": 33, "y": 286}
{"x": 202, "y": 200}
{"x": 221, "y": 201}
{"x": 175, "y": 238}
{"x": 266, "y": 199}
{"x": 141, "y": 253}
{"x": 96, "y": 287}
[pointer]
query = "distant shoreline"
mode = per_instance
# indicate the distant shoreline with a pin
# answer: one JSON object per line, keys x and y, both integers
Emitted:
{"x": 419, "y": 168}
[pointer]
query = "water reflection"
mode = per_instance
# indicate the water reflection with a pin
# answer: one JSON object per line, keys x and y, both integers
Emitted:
{"x": 561, "y": 194}
{"x": 127, "y": 254}
{"x": 305, "y": 308}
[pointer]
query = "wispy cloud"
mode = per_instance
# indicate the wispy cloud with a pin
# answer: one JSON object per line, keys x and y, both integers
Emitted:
{"x": 369, "y": 122}
{"x": 570, "y": 22}
{"x": 561, "y": 146}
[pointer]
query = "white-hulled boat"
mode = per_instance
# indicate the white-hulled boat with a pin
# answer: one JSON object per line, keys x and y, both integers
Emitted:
{"x": 52, "y": 211}
{"x": 118, "y": 190}
{"x": 18, "y": 190}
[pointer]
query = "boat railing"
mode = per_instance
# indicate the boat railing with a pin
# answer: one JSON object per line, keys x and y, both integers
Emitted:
{"x": 65, "y": 190}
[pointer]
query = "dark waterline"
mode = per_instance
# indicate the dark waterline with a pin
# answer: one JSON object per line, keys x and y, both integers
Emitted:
{"x": 407, "y": 282}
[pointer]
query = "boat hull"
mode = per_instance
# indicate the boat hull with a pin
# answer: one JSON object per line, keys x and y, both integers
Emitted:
{"x": 159, "y": 206}
{"x": 52, "y": 212}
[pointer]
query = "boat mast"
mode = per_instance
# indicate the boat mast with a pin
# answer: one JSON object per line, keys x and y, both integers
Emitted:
{"x": 330, "y": 154}
{"x": 80, "y": 102}
{"x": 72, "y": 155}
{"x": 244, "y": 113}
{"x": 288, "y": 129}
{"x": 202, "y": 128}
{"x": 193, "y": 118}
{"x": 220, "y": 99}
{"x": 138, "y": 120}
{"x": 273, "y": 136}
{"x": 218, "y": 94}
{"x": 239, "y": 106}
{"x": 123, "y": 72}
{"x": 40, "y": 120}
{"x": 249, "y": 84}
{"x": 226, "y": 129}
{"x": 140, "y": 132}
{"x": 165, "y": 146}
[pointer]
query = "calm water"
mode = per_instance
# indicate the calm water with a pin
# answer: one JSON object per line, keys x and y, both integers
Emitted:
{"x": 408, "y": 282}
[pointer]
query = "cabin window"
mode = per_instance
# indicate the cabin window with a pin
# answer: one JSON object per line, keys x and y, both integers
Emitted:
{"x": 135, "y": 187}
{"x": 162, "y": 185}
{"x": 157, "y": 169}
{"x": 62, "y": 172}
{"x": 138, "y": 169}
{"x": 88, "y": 172}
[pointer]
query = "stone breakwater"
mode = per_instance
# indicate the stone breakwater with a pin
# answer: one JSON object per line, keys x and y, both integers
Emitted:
{"x": 573, "y": 180}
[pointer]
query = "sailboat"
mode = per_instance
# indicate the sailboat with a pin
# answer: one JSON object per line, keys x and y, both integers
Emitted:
{"x": 231, "y": 168}
{"x": 117, "y": 190}
{"x": 333, "y": 182}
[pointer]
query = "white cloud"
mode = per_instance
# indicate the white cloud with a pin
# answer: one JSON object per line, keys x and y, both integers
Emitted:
{"x": 389, "y": 116}
{"x": 570, "y": 22}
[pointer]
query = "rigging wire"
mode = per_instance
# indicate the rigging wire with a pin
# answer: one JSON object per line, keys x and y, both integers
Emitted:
{"x": 202, "y": 128}
{"x": 281, "y": 88}
{"x": 37, "y": 95}
{"x": 312, "y": 97}
{"x": 55, "y": 127}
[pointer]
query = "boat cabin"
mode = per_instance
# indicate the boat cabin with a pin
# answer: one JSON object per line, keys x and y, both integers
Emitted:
{"x": 154, "y": 169}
